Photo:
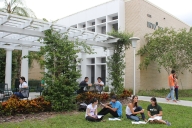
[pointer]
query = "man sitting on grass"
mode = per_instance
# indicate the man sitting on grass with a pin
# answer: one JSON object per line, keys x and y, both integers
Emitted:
{"x": 114, "y": 108}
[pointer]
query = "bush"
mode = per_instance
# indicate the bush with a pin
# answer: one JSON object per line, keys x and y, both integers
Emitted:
{"x": 88, "y": 96}
{"x": 16, "y": 106}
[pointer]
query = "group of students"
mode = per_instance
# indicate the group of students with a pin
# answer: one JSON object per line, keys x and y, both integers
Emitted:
{"x": 84, "y": 84}
{"x": 132, "y": 109}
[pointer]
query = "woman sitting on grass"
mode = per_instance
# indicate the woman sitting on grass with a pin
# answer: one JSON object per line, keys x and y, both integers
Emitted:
{"x": 91, "y": 111}
{"x": 155, "y": 113}
{"x": 133, "y": 109}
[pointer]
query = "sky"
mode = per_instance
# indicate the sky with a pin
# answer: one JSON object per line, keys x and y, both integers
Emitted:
{"x": 56, "y": 9}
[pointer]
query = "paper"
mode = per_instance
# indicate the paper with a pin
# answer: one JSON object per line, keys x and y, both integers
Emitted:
{"x": 114, "y": 119}
{"x": 102, "y": 104}
{"x": 156, "y": 118}
{"x": 139, "y": 122}
{"x": 99, "y": 116}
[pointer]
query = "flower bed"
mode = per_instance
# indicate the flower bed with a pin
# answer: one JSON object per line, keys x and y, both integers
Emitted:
{"x": 88, "y": 96}
{"x": 16, "y": 106}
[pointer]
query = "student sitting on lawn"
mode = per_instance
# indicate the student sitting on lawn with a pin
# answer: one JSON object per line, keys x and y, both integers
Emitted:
{"x": 155, "y": 113}
{"x": 114, "y": 108}
{"x": 133, "y": 109}
{"x": 91, "y": 111}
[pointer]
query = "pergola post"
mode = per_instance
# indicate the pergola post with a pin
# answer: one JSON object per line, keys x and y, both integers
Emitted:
{"x": 83, "y": 66}
{"x": 25, "y": 63}
{"x": 8, "y": 67}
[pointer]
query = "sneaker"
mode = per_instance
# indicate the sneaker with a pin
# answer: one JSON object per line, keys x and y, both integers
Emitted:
{"x": 175, "y": 101}
{"x": 168, "y": 123}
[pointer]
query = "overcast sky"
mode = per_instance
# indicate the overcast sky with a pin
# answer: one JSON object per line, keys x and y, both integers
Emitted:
{"x": 55, "y": 9}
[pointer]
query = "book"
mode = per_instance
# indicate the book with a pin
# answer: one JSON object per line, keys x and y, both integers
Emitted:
{"x": 114, "y": 119}
{"x": 155, "y": 118}
{"x": 139, "y": 122}
{"x": 99, "y": 116}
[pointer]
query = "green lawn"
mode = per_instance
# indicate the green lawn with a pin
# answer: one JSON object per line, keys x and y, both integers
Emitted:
{"x": 179, "y": 116}
{"x": 183, "y": 94}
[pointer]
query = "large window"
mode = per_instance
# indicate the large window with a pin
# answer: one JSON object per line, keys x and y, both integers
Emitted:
{"x": 103, "y": 73}
{"x": 103, "y": 30}
{"x": 92, "y": 73}
{"x": 115, "y": 27}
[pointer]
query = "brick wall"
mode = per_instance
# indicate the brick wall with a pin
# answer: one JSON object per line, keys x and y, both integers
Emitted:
{"x": 136, "y": 22}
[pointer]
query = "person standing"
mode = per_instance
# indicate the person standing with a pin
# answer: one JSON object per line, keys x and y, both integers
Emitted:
{"x": 176, "y": 87}
{"x": 114, "y": 108}
{"x": 171, "y": 86}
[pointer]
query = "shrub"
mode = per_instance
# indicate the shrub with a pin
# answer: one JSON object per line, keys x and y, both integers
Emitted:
{"x": 16, "y": 106}
{"x": 88, "y": 96}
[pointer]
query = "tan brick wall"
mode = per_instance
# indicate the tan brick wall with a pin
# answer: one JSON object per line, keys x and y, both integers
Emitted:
{"x": 35, "y": 71}
{"x": 136, "y": 21}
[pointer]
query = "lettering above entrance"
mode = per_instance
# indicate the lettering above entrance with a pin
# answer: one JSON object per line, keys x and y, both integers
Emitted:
{"x": 153, "y": 26}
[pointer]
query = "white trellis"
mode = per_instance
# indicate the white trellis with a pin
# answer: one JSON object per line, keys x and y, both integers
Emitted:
{"x": 22, "y": 33}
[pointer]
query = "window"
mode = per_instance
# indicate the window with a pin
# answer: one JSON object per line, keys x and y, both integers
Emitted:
{"x": 92, "y": 73}
{"x": 92, "y": 60}
{"x": 93, "y": 30}
{"x": 115, "y": 27}
{"x": 103, "y": 30}
{"x": 103, "y": 21}
{"x": 115, "y": 17}
{"x": 93, "y": 23}
{"x": 103, "y": 73}
{"x": 103, "y": 60}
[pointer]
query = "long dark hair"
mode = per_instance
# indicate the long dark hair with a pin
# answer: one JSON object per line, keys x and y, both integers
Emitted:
{"x": 133, "y": 100}
{"x": 93, "y": 100}
{"x": 23, "y": 79}
{"x": 154, "y": 100}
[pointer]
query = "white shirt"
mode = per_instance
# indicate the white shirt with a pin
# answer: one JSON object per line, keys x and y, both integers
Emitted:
{"x": 91, "y": 110}
{"x": 23, "y": 85}
{"x": 128, "y": 111}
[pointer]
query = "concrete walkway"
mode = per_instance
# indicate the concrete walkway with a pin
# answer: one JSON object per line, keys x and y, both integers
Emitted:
{"x": 33, "y": 95}
{"x": 163, "y": 100}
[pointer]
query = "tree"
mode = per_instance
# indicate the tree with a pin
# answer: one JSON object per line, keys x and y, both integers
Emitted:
{"x": 169, "y": 49}
{"x": 17, "y": 7}
{"x": 60, "y": 58}
{"x": 116, "y": 63}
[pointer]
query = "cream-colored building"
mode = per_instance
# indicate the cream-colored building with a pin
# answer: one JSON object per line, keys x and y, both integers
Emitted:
{"x": 134, "y": 16}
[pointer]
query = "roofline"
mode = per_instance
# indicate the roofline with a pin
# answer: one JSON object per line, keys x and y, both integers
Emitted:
{"x": 85, "y": 10}
{"x": 166, "y": 12}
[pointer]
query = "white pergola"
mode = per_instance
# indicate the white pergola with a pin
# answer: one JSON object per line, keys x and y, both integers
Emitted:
{"x": 22, "y": 33}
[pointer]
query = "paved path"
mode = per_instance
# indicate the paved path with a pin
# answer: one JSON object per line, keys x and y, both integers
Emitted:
{"x": 163, "y": 100}
{"x": 33, "y": 95}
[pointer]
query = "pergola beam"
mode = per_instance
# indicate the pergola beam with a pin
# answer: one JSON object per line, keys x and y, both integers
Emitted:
{"x": 21, "y": 42}
{"x": 15, "y": 30}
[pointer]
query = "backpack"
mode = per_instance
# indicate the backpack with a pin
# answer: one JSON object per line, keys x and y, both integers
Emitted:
{"x": 82, "y": 107}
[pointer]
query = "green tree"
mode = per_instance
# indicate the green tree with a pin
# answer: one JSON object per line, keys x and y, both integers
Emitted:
{"x": 169, "y": 49}
{"x": 60, "y": 58}
{"x": 17, "y": 7}
{"x": 116, "y": 63}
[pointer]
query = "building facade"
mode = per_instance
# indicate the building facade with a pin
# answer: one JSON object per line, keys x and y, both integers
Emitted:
{"x": 134, "y": 16}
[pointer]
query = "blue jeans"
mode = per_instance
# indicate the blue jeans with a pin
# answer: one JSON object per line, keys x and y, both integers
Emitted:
{"x": 171, "y": 94}
{"x": 19, "y": 94}
{"x": 134, "y": 117}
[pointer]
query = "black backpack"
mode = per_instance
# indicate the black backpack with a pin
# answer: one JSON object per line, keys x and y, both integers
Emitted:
{"x": 82, "y": 107}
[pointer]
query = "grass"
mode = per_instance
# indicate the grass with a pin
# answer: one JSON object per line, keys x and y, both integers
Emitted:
{"x": 177, "y": 115}
{"x": 183, "y": 94}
